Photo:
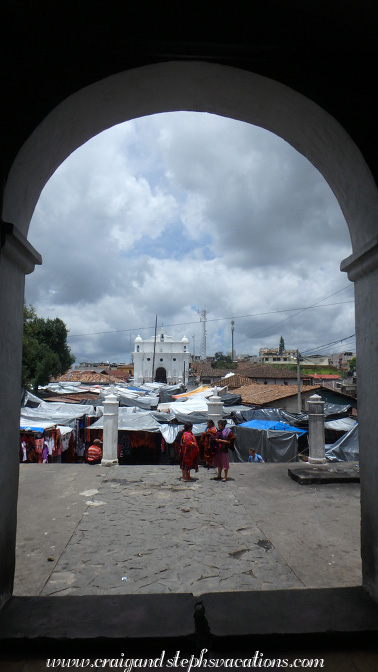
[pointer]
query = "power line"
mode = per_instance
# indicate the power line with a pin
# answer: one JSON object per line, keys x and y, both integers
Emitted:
{"x": 214, "y": 319}
{"x": 291, "y": 316}
{"x": 327, "y": 345}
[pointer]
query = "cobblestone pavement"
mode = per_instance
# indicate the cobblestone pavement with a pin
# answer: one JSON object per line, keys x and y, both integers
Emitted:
{"x": 120, "y": 530}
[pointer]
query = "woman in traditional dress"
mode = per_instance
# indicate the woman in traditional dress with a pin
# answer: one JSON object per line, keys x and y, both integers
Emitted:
{"x": 209, "y": 444}
{"x": 188, "y": 452}
{"x": 226, "y": 440}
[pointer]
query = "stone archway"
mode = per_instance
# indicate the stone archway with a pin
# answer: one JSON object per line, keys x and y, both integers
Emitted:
{"x": 226, "y": 91}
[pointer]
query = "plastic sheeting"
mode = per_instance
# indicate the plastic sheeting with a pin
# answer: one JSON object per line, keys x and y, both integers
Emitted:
{"x": 146, "y": 402}
{"x": 167, "y": 393}
{"x": 340, "y": 425}
{"x": 294, "y": 419}
{"x": 28, "y": 425}
{"x": 231, "y": 399}
{"x": 271, "y": 425}
{"x": 346, "y": 449}
{"x": 273, "y": 446}
{"x": 55, "y": 414}
{"x": 132, "y": 422}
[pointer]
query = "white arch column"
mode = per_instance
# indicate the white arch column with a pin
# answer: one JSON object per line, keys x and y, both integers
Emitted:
{"x": 17, "y": 258}
{"x": 362, "y": 269}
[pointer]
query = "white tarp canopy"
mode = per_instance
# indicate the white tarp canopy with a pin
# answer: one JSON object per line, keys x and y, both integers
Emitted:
{"x": 34, "y": 425}
{"x": 143, "y": 421}
{"x": 55, "y": 414}
{"x": 341, "y": 425}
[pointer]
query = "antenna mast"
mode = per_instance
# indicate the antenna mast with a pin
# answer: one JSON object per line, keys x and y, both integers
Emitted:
{"x": 203, "y": 320}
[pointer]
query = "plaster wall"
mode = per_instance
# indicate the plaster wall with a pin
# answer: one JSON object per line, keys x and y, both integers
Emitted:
{"x": 16, "y": 259}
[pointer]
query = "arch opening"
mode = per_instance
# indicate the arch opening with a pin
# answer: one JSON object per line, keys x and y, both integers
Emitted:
{"x": 200, "y": 87}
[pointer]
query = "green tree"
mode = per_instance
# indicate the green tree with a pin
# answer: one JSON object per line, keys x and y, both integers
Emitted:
{"x": 281, "y": 346}
{"x": 222, "y": 361}
{"x": 352, "y": 364}
{"x": 45, "y": 351}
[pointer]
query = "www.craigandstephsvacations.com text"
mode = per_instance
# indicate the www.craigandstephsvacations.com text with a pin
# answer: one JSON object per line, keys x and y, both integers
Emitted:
{"x": 187, "y": 663}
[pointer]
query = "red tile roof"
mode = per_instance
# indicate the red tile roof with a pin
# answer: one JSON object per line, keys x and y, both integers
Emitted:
{"x": 85, "y": 377}
{"x": 264, "y": 394}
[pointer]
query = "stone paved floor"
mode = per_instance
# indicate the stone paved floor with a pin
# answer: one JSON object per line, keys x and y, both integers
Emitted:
{"x": 215, "y": 544}
{"x": 120, "y": 530}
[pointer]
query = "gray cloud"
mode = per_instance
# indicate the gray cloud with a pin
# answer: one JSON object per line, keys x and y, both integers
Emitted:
{"x": 171, "y": 213}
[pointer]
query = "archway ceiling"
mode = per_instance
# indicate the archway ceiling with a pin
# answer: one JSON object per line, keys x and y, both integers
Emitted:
{"x": 326, "y": 51}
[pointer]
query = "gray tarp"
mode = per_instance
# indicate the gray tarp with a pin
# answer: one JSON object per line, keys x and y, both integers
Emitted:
{"x": 273, "y": 446}
{"x": 345, "y": 449}
{"x": 166, "y": 393}
{"x": 195, "y": 417}
{"x": 145, "y": 402}
{"x": 295, "y": 419}
{"x": 133, "y": 422}
{"x": 340, "y": 425}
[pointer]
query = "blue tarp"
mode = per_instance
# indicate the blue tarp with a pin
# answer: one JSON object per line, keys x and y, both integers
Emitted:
{"x": 272, "y": 425}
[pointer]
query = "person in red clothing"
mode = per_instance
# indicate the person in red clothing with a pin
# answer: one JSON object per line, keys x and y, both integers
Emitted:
{"x": 95, "y": 452}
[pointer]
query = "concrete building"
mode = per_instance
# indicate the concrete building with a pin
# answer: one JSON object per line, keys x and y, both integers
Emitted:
{"x": 272, "y": 356}
{"x": 341, "y": 360}
{"x": 164, "y": 360}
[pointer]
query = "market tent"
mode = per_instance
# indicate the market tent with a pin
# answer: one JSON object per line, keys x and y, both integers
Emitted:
{"x": 55, "y": 413}
{"x": 204, "y": 390}
{"x": 143, "y": 421}
{"x": 346, "y": 449}
{"x": 340, "y": 425}
{"x": 27, "y": 425}
{"x": 144, "y": 401}
{"x": 272, "y": 425}
{"x": 272, "y": 445}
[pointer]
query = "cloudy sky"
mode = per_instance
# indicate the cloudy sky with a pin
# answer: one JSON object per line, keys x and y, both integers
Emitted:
{"x": 171, "y": 214}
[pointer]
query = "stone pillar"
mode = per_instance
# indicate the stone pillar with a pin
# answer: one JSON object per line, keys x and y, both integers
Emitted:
{"x": 316, "y": 429}
{"x": 362, "y": 269}
{"x": 17, "y": 258}
{"x": 215, "y": 407}
{"x": 110, "y": 438}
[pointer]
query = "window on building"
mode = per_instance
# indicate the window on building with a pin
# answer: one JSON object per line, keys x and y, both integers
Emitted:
{"x": 184, "y": 348}
{"x": 174, "y": 359}
{"x": 162, "y": 337}
{"x": 137, "y": 348}
{"x": 161, "y": 359}
{"x": 148, "y": 359}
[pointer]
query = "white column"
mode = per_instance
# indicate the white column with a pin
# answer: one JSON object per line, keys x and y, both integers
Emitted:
{"x": 215, "y": 407}
{"x": 17, "y": 258}
{"x": 316, "y": 429}
{"x": 110, "y": 438}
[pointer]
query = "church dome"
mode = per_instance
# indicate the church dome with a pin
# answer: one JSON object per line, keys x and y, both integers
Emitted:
{"x": 184, "y": 340}
{"x": 138, "y": 339}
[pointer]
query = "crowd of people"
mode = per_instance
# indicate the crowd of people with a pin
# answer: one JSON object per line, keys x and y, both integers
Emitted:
{"x": 213, "y": 447}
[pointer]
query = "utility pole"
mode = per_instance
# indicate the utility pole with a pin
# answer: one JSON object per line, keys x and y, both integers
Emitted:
{"x": 232, "y": 339}
{"x": 153, "y": 358}
{"x": 299, "y": 383}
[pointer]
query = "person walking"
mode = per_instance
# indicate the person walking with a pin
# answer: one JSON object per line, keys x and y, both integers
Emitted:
{"x": 226, "y": 440}
{"x": 188, "y": 452}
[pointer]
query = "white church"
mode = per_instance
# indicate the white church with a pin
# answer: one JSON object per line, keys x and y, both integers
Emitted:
{"x": 170, "y": 364}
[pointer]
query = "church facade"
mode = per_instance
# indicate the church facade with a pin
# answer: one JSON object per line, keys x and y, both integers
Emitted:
{"x": 170, "y": 364}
